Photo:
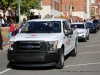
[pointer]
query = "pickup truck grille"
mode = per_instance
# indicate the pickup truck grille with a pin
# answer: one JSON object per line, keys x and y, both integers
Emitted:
{"x": 30, "y": 46}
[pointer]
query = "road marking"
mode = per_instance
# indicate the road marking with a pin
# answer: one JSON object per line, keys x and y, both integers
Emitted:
{"x": 89, "y": 52}
{"x": 95, "y": 41}
{"x": 92, "y": 45}
{"x": 4, "y": 71}
{"x": 82, "y": 64}
{"x": 96, "y": 37}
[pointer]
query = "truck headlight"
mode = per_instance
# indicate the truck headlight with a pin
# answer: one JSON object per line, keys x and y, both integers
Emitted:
{"x": 81, "y": 32}
{"x": 11, "y": 45}
{"x": 53, "y": 45}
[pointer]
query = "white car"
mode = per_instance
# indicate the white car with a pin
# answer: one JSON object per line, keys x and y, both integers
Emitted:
{"x": 42, "y": 42}
{"x": 82, "y": 29}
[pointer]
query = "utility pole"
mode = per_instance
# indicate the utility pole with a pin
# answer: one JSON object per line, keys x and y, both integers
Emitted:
{"x": 19, "y": 2}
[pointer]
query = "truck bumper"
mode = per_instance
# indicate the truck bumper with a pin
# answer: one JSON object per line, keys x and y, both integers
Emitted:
{"x": 81, "y": 38}
{"x": 34, "y": 59}
{"x": 92, "y": 30}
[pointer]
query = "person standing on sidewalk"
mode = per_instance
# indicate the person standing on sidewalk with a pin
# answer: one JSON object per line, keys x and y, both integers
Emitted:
{"x": 12, "y": 28}
{"x": 1, "y": 40}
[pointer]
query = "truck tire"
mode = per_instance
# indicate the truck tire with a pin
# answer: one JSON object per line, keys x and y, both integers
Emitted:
{"x": 74, "y": 51}
{"x": 85, "y": 39}
{"x": 96, "y": 30}
{"x": 88, "y": 37}
{"x": 12, "y": 66}
{"x": 60, "y": 63}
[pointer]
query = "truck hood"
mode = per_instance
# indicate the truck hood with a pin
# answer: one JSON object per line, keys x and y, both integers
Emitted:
{"x": 81, "y": 30}
{"x": 35, "y": 36}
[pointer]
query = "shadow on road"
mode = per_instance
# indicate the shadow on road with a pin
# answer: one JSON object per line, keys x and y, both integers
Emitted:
{"x": 31, "y": 68}
{"x": 35, "y": 68}
{"x": 8, "y": 65}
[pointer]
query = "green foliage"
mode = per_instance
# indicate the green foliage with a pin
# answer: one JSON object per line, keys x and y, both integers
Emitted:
{"x": 61, "y": 16}
{"x": 47, "y": 16}
{"x": 24, "y": 20}
{"x": 25, "y": 5}
{"x": 29, "y": 4}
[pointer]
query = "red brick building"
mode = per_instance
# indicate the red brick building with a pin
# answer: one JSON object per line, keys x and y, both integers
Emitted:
{"x": 79, "y": 5}
{"x": 95, "y": 8}
{"x": 80, "y": 8}
{"x": 56, "y": 7}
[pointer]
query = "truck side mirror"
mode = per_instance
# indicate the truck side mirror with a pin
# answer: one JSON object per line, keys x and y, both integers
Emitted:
{"x": 68, "y": 32}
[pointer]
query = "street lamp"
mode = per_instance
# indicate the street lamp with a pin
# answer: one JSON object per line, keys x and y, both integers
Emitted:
{"x": 19, "y": 2}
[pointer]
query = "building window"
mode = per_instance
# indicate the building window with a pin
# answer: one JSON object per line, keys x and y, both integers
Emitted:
{"x": 92, "y": 11}
{"x": 92, "y": 1}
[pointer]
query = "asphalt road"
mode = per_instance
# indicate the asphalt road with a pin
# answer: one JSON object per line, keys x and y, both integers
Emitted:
{"x": 87, "y": 62}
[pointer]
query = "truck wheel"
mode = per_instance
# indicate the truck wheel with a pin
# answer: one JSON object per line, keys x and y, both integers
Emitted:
{"x": 60, "y": 63}
{"x": 95, "y": 31}
{"x": 85, "y": 39}
{"x": 74, "y": 51}
{"x": 12, "y": 66}
{"x": 88, "y": 37}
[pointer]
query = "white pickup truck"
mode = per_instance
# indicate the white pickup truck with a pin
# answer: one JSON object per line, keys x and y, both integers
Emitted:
{"x": 42, "y": 42}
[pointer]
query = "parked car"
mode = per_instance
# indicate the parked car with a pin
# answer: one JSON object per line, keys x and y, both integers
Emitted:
{"x": 42, "y": 42}
{"x": 92, "y": 28}
{"x": 82, "y": 29}
{"x": 97, "y": 23}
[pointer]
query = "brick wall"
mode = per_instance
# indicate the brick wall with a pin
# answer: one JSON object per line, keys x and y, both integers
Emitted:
{"x": 53, "y": 3}
{"x": 46, "y": 2}
{"x": 96, "y": 3}
{"x": 79, "y": 5}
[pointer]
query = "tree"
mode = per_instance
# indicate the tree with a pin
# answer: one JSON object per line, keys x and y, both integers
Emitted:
{"x": 24, "y": 20}
{"x": 3, "y": 4}
{"x": 25, "y": 5}
{"x": 47, "y": 16}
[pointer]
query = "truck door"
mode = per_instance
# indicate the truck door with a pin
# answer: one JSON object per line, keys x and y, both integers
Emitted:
{"x": 66, "y": 39}
{"x": 71, "y": 38}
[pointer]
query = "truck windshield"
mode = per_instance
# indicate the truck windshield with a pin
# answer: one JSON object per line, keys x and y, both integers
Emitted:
{"x": 42, "y": 27}
{"x": 77, "y": 26}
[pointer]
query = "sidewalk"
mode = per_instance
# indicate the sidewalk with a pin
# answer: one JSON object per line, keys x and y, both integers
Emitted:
{"x": 5, "y": 47}
{"x": 5, "y": 37}
{"x": 5, "y": 42}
